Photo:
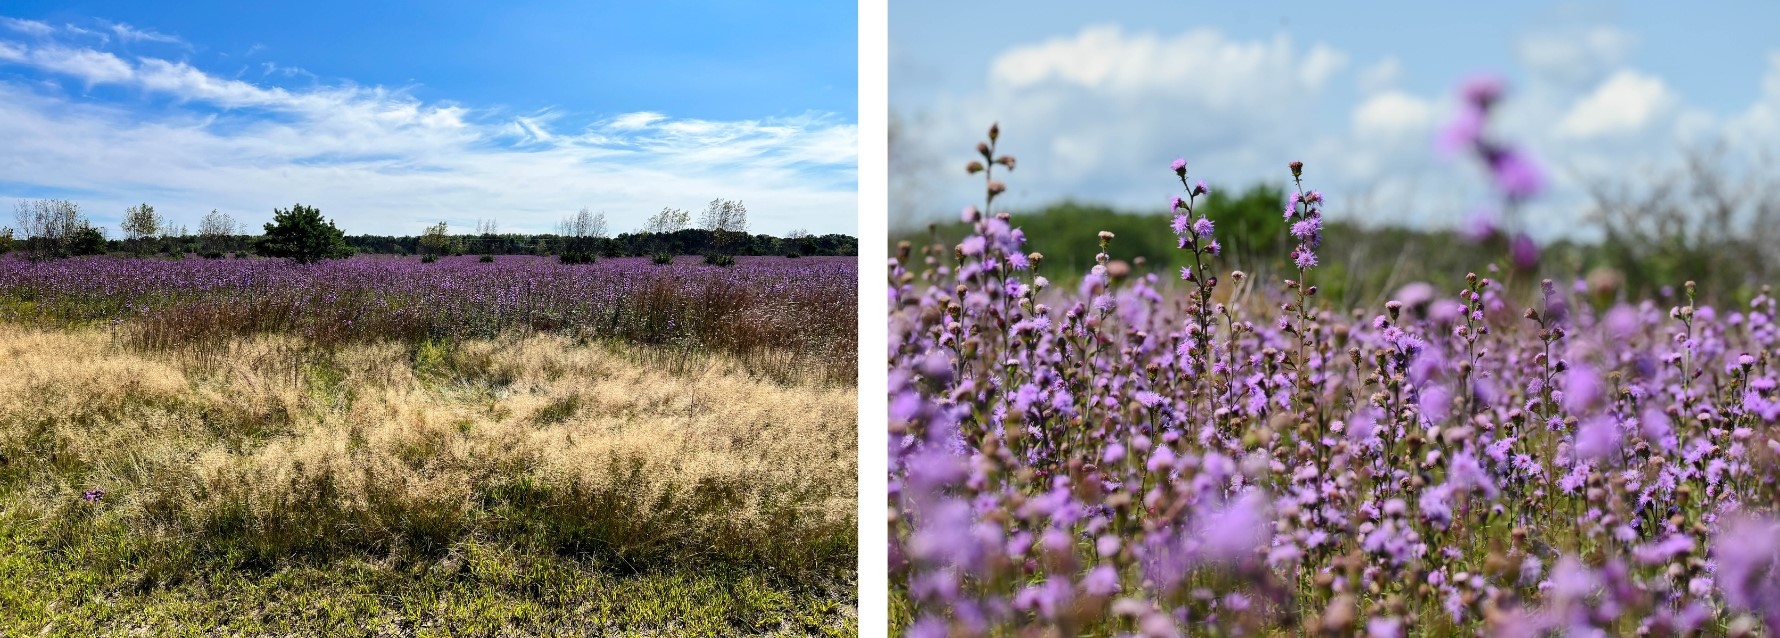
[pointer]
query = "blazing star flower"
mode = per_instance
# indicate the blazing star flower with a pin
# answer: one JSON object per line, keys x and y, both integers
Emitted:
{"x": 1516, "y": 175}
{"x": 1179, "y": 167}
{"x": 1202, "y": 228}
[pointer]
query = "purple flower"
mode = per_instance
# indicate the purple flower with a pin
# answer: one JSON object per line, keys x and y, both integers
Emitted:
{"x": 1523, "y": 252}
{"x": 1179, "y": 167}
{"x": 93, "y": 495}
{"x": 1231, "y": 533}
{"x": 1101, "y": 581}
{"x": 1202, "y": 227}
{"x": 1516, "y": 174}
{"x": 1747, "y": 553}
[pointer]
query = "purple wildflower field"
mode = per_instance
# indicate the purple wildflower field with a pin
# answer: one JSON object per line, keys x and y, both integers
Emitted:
{"x": 1220, "y": 455}
{"x": 805, "y": 309}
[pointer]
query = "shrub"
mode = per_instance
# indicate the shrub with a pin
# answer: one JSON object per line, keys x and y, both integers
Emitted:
{"x": 662, "y": 258}
{"x": 429, "y": 258}
{"x": 719, "y": 259}
{"x": 486, "y": 258}
{"x": 577, "y": 257}
{"x": 301, "y": 235}
{"x": 213, "y": 254}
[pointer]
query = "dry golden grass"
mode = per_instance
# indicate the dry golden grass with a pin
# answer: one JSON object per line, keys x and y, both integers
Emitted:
{"x": 260, "y": 451}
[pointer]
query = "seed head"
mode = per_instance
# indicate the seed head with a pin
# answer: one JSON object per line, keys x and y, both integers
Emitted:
{"x": 1297, "y": 169}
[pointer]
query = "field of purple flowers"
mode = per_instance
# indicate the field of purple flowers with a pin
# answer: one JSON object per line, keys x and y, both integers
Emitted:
{"x": 780, "y": 314}
{"x": 1221, "y": 455}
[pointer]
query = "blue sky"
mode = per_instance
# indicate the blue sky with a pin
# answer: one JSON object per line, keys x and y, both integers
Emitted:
{"x": 391, "y": 116}
{"x": 1093, "y": 98}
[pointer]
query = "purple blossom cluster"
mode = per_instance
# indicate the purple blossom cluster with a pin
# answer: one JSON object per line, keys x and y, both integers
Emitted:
{"x": 807, "y": 306}
{"x": 1137, "y": 457}
{"x": 1513, "y": 173}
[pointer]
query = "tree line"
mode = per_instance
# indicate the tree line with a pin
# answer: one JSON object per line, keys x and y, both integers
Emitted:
{"x": 59, "y": 228}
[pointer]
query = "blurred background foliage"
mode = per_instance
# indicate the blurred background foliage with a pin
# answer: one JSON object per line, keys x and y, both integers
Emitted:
{"x": 1699, "y": 221}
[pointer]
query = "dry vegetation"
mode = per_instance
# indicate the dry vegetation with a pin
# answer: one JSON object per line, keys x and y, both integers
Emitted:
{"x": 260, "y": 455}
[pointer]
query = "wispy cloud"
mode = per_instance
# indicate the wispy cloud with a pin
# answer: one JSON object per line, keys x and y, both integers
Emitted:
{"x": 635, "y": 121}
{"x": 383, "y": 161}
{"x": 31, "y": 27}
{"x": 101, "y": 36}
{"x": 127, "y": 33}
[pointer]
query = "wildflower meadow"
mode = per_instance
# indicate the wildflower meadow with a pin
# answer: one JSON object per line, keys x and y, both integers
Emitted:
{"x": 382, "y": 445}
{"x": 1211, "y": 452}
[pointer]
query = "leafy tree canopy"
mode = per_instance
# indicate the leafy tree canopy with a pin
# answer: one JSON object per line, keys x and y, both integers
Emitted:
{"x": 301, "y": 235}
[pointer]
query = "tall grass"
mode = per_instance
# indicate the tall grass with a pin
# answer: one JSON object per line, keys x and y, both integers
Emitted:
{"x": 264, "y": 452}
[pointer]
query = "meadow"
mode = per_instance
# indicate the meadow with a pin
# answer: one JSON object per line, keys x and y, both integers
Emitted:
{"x": 1199, "y": 450}
{"x": 377, "y": 446}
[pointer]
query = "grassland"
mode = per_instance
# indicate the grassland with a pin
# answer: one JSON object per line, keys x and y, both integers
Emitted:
{"x": 526, "y": 484}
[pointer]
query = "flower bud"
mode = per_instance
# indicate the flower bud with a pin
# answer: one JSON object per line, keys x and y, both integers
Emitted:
{"x": 1297, "y": 169}
{"x": 994, "y": 131}
{"x": 973, "y": 167}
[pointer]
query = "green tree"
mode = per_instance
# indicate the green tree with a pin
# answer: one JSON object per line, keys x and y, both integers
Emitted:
{"x": 87, "y": 240}
{"x": 140, "y": 223}
{"x": 301, "y": 235}
{"x": 435, "y": 242}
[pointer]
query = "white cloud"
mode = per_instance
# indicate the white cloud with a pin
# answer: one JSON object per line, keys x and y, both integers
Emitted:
{"x": 92, "y": 67}
{"x": 1200, "y": 61}
{"x": 635, "y": 121}
{"x": 1574, "y": 56}
{"x": 382, "y": 161}
{"x": 1627, "y": 102}
{"x": 127, "y": 33}
{"x": 1762, "y": 119}
{"x": 103, "y": 37}
{"x": 1393, "y": 113}
{"x": 29, "y": 27}
{"x": 1099, "y": 110}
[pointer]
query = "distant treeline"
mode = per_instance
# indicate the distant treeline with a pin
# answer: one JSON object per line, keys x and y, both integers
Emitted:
{"x": 49, "y": 228}
{"x": 1693, "y": 227}
{"x": 691, "y": 241}
{"x": 682, "y": 242}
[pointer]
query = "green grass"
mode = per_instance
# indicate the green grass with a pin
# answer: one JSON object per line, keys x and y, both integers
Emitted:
{"x": 95, "y": 587}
